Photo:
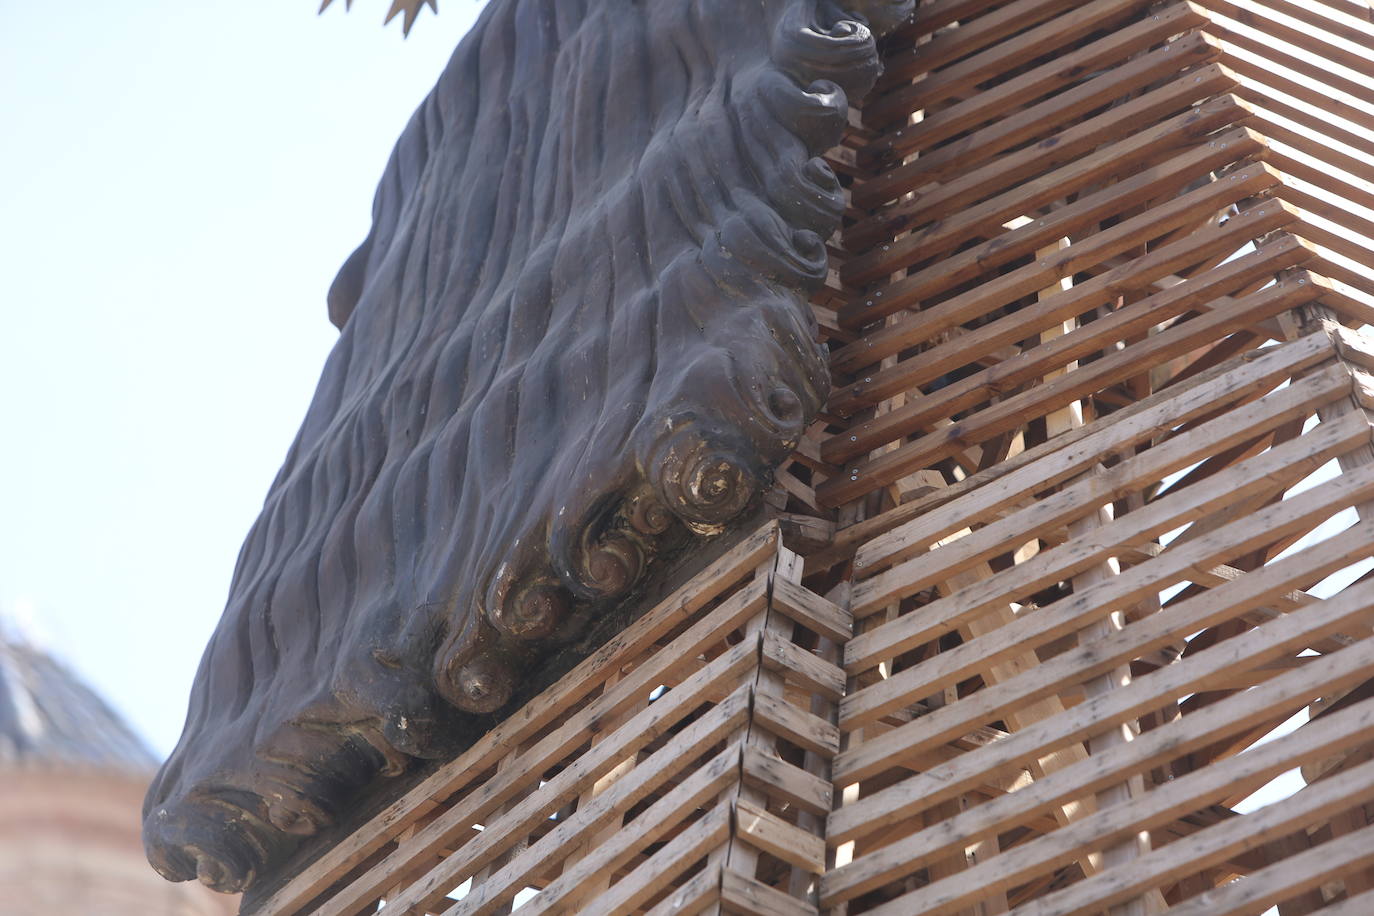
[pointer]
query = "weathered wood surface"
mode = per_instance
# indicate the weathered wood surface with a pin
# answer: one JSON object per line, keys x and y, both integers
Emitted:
{"x": 1089, "y": 514}
{"x": 1097, "y": 309}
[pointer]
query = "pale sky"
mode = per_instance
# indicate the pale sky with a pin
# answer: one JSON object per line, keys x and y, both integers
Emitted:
{"x": 181, "y": 182}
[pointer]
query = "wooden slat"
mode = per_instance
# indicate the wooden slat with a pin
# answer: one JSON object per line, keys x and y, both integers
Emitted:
{"x": 645, "y": 777}
{"x": 995, "y": 25}
{"x": 1118, "y": 592}
{"x": 954, "y": 81}
{"x": 775, "y": 836}
{"x": 799, "y": 666}
{"x": 1005, "y": 376}
{"x": 1036, "y": 120}
{"x": 1078, "y": 664}
{"x": 721, "y": 675}
{"x": 1044, "y": 79}
{"x": 1153, "y": 418}
{"x": 786, "y": 783}
{"x": 1287, "y": 404}
{"x": 987, "y": 218}
{"x": 1285, "y": 879}
{"x": 822, "y": 617}
{"x": 701, "y": 890}
{"x": 533, "y": 716}
{"x": 1136, "y": 423}
{"x": 803, "y": 729}
{"x": 1011, "y": 412}
{"x": 1165, "y": 803}
{"x": 1006, "y": 172}
{"x": 649, "y": 827}
{"x": 1213, "y": 844}
{"x": 909, "y": 854}
{"x": 754, "y": 898}
{"x": 1157, "y": 687}
{"x": 659, "y": 870}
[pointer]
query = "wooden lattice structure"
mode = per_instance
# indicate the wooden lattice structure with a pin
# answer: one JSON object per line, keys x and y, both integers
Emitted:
{"x": 1088, "y": 517}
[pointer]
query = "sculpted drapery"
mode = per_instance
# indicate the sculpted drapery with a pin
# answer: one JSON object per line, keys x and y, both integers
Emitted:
{"x": 577, "y": 332}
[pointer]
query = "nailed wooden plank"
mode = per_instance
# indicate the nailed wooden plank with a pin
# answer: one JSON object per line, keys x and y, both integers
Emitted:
{"x": 1309, "y": 34}
{"x": 1004, "y": 172}
{"x": 532, "y": 717}
{"x": 1285, "y": 879}
{"x": 995, "y": 25}
{"x": 659, "y": 870}
{"x": 1255, "y": 647}
{"x": 1328, "y": 18}
{"x": 1295, "y": 117}
{"x": 939, "y": 13}
{"x": 986, "y": 219}
{"x": 720, "y": 676}
{"x": 1116, "y": 593}
{"x": 1167, "y": 802}
{"x": 1151, "y": 749}
{"x": 1360, "y": 905}
{"x": 803, "y": 729}
{"x": 1134, "y": 275}
{"x": 800, "y": 666}
{"x": 1013, "y": 411}
{"x": 891, "y": 806}
{"x": 1213, "y": 844}
{"x": 986, "y": 106}
{"x": 1319, "y": 168}
{"x": 777, "y": 837}
{"x": 656, "y": 821}
{"x": 754, "y": 898}
{"x": 1036, "y": 121}
{"x": 1097, "y": 337}
{"x": 1076, "y": 218}
{"x": 1210, "y": 290}
{"x": 699, "y": 891}
{"x": 1294, "y": 402}
{"x": 1254, "y": 61}
{"x": 955, "y": 80}
{"x": 1135, "y": 423}
{"x": 803, "y": 606}
{"x": 784, "y": 782}
{"x": 645, "y": 777}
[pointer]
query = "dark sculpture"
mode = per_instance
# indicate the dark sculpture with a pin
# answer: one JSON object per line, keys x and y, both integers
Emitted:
{"x": 577, "y": 328}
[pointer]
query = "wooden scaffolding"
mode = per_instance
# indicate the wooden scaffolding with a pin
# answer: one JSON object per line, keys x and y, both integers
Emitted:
{"x": 1088, "y": 520}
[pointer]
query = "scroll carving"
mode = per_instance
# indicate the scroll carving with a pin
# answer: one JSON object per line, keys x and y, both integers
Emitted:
{"x": 577, "y": 331}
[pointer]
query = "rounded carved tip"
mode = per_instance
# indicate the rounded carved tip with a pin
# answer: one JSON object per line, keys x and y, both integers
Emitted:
{"x": 649, "y": 516}
{"x": 289, "y": 820}
{"x": 534, "y": 613}
{"x": 613, "y": 565}
{"x": 484, "y": 685}
{"x": 714, "y": 487}
{"x": 218, "y": 876}
{"x": 216, "y": 844}
{"x": 784, "y": 407}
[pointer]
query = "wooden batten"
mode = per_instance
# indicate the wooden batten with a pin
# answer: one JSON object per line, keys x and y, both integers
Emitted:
{"x": 1089, "y": 515}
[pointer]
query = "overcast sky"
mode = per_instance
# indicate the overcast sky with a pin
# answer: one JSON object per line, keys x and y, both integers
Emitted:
{"x": 181, "y": 182}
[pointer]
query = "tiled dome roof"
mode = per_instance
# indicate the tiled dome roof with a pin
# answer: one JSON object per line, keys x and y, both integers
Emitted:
{"x": 48, "y": 715}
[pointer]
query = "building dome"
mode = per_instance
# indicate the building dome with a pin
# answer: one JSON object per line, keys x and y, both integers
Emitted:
{"x": 72, "y": 778}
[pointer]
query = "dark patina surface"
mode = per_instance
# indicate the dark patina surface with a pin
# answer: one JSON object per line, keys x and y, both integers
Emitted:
{"x": 576, "y": 340}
